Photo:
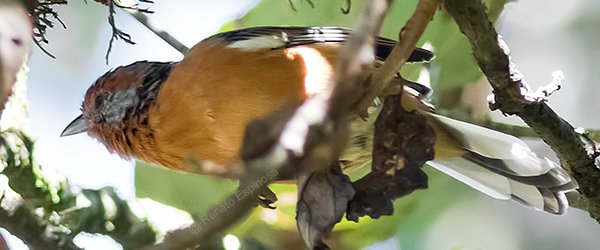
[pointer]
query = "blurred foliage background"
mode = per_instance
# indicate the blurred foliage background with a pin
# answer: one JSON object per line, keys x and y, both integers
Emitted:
{"x": 544, "y": 35}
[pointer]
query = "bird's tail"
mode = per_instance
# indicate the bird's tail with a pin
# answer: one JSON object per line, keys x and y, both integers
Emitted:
{"x": 504, "y": 167}
{"x": 494, "y": 163}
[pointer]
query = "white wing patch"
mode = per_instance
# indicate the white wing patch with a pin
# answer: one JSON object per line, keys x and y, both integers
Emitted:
{"x": 318, "y": 70}
{"x": 261, "y": 42}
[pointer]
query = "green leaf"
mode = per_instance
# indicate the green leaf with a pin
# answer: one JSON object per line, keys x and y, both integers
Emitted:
{"x": 188, "y": 192}
{"x": 324, "y": 13}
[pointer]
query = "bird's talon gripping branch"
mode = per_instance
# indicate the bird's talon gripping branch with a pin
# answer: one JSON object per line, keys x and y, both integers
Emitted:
{"x": 267, "y": 198}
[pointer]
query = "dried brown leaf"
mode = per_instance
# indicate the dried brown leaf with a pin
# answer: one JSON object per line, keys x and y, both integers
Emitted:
{"x": 322, "y": 201}
{"x": 403, "y": 142}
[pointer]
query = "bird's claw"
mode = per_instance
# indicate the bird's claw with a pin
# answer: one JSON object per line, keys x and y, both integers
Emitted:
{"x": 266, "y": 198}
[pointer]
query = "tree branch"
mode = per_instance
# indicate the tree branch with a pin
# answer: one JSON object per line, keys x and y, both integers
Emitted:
{"x": 20, "y": 219}
{"x": 407, "y": 41}
{"x": 43, "y": 17}
{"x": 49, "y": 214}
{"x": 165, "y": 36}
{"x": 514, "y": 96}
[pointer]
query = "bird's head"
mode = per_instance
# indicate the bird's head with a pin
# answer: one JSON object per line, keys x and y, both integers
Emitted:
{"x": 118, "y": 101}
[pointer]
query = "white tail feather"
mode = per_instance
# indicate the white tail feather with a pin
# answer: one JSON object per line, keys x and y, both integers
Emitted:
{"x": 496, "y": 145}
{"x": 499, "y": 165}
{"x": 530, "y": 195}
{"x": 484, "y": 180}
{"x": 504, "y": 167}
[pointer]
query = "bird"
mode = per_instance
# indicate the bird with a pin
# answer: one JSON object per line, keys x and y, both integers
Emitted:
{"x": 170, "y": 112}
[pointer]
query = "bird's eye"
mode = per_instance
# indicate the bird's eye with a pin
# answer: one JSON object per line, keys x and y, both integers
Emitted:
{"x": 16, "y": 41}
{"x": 99, "y": 101}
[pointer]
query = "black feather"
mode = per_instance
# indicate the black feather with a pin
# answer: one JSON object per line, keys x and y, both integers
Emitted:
{"x": 297, "y": 36}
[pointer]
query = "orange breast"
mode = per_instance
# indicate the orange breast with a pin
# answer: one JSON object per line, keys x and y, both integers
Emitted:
{"x": 215, "y": 91}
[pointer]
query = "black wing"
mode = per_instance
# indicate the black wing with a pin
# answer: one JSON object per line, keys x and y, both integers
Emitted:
{"x": 296, "y": 36}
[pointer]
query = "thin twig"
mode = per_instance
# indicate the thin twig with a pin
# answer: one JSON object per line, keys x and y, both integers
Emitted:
{"x": 165, "y": 36}
{"x": 353, "y": 61}
{"x": 41, "y": 14}
{"x": 292, "y": 5}
{"x": 310, "y": 2}
{"x": 346, "y": 11}
{"x": 408, "y": 38}
{"x": 514, "y": 96}
{"x": 116, "y": 33}
{"x": 140, "y": 15}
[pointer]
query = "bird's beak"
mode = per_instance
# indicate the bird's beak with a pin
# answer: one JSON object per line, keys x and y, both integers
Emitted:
{"x": 75, "y": 127}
